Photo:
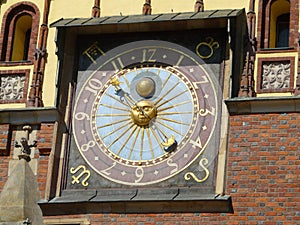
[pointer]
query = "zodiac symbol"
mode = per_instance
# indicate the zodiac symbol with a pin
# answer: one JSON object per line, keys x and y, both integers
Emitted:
{"x": 202, "y": 163}
{"x": 210, "y": 44}
{"x": 76, "y": 178}
{"x": 93, "y": 52}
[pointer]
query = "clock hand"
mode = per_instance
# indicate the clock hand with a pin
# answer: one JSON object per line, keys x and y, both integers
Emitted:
{"x": 119, "y": 91}
{"x": 169, "y": 143}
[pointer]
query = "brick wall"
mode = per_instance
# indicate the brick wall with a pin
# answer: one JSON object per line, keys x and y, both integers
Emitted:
{"x": 7, "y": 140}
{"x": 44, "y": 145}
{"x": 263, "y": 173}
{"x": 4, "y": 153}
{"x": 263, "y": 176}
{"x": 264, "y": 169}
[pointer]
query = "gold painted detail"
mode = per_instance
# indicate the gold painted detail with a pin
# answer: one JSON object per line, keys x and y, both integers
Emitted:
{"x": 93, "y": 52}
{"x": 114, "y": 81}
{"x": 145, "y": 87}
{"x": 202, "y": 163}
{"x": 75, "y": 179}
{"x": 143, "y": 112}
{"x": 170, "y": 141}
{"x": 210, "y": 44}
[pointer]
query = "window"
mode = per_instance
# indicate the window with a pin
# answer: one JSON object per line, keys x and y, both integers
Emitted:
{"x": 22, "y": 31}
{"x": 282, "y": 31}
{"x": 276, "y": 18}
{"x": 19, "y": 33}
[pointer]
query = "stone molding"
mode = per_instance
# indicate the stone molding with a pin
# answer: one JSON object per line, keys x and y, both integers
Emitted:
{"x": 239, "y": 106}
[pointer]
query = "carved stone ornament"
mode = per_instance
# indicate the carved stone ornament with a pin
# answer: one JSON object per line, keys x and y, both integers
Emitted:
{"x": 276, "y": 75}
{"x": 25, "y": 147}
{"x": 12, "y": 87}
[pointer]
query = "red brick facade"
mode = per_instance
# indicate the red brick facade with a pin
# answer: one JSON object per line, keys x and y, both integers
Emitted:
{"x": 263, "y": 173}
{"x": 4, "y": 153}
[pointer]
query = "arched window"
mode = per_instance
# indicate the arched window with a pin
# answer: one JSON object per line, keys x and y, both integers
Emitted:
{"x": 275, "y": 23}
{"x": 19, "y": 33}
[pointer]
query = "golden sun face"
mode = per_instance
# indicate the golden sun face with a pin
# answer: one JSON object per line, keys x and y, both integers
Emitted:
{"x": 143, "y": 112}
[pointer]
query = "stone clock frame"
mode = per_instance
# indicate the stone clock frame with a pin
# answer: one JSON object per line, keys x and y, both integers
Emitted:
{"x": 82, "y": 47}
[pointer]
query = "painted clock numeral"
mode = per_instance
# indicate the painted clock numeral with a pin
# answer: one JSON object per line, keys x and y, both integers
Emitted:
{"x": 87, "y": 146}
{"x": 196, "y": 143}
{"x": 108, "y": 169}
{"x": 205, "y": 112}
{"x": 172, "y": 164}
{"x": 139, "y": 173}
{"x": 117, "y": 64}
{"x": 148, "y": 55}
{"x": 93, "y": 86}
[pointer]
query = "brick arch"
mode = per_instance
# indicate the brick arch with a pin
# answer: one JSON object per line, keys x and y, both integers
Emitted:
{"x": 7, "y": 31}
{"x": 263, "y": 32}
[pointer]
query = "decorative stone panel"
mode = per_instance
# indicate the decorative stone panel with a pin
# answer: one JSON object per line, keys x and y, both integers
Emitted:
{"x": 275, "y": 75}
{"x": 13, "y": 86}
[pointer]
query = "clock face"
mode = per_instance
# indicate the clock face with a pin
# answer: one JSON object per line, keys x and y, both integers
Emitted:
{"x": 144, "y": 112}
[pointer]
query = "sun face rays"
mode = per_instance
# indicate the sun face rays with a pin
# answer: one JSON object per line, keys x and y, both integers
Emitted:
{"x": 144, "y": 142}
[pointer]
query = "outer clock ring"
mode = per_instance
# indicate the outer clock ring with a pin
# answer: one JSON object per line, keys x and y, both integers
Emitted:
{"x": 149, "y": 54}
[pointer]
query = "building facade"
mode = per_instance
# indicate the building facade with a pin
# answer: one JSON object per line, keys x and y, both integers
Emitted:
{"x": 149, "y": 112}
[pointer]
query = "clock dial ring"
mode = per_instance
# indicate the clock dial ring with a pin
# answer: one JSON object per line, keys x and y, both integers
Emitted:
{"x": 116, "y": 168}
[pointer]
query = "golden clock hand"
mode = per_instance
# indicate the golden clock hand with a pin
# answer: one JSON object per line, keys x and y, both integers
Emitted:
{"x": 119, "y": 91}
{"x": 115, "y": 82}
{"x": 169, "y": 143}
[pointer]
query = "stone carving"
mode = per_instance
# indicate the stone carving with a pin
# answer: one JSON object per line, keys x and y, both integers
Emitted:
{"x": 199, "y": 6}
{"x": 25, "y": 147}
{"x": 275, "y": 75}
{"x": 12, "y": 87}
{"x": 27, "y": 222}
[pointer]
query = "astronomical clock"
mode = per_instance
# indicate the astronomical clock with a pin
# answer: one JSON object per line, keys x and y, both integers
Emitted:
{"x": 144, "y": 114}
{"x": 146, "y": 118}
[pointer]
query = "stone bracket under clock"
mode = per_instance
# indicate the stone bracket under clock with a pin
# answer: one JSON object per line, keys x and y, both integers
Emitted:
{"x": 136, "y": 201}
